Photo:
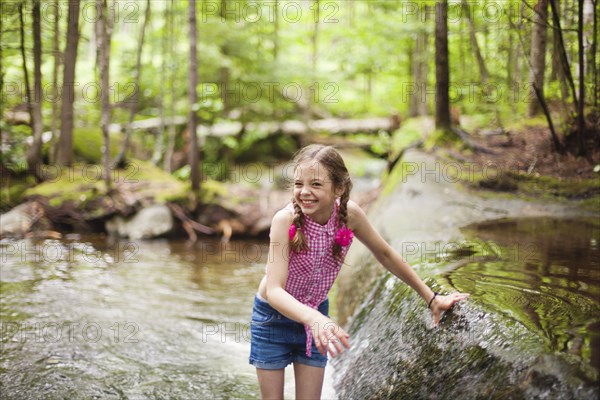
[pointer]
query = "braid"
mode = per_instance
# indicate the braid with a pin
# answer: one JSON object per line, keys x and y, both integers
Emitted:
{"x": 343, "y": 213}
{"x": 298, "y": 243}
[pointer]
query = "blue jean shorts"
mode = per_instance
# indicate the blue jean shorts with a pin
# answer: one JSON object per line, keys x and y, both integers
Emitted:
{"x": 277, "y": 341}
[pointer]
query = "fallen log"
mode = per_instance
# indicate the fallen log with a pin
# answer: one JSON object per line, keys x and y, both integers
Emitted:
{"x": 334, "y": 126}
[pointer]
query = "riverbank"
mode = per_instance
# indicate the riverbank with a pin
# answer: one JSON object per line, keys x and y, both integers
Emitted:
{"x": 516, "y": 162}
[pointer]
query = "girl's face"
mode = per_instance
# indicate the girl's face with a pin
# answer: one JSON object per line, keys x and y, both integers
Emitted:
{"x": 314, "y": 191}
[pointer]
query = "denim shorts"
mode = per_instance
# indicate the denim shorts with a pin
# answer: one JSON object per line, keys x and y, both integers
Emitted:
{"x": 277, "y": 341}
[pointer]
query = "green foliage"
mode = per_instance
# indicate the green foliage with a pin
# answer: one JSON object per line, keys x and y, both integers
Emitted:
{"x": 14, "y": 139}
{"x": 410, "y": 132}
{"x": 254, "y": 69}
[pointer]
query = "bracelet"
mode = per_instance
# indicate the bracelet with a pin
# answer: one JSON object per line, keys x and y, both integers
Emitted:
{"x": 435, "y": 294}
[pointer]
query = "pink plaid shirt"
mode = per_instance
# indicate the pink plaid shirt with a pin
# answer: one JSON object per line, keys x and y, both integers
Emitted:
{"x": 311, "y": 273}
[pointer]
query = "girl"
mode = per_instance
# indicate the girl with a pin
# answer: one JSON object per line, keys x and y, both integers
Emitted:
{"x": 308, "y": 242}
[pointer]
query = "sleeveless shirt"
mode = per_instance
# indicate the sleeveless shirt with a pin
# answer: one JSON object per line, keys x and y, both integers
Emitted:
{"x": 312, "y": 272}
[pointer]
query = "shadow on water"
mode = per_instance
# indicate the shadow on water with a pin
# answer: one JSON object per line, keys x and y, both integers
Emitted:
{"x": 149, "y": 319}
{"x": 531, "y": 328}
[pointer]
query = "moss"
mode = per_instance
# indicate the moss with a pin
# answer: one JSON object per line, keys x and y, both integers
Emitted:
{"x": 441, "y": 138}
{"x": 87, "y": 145}
{"x": 13, "y": 190}
{"x": 83, "y": 183}
{"x": 475, "y": 122}
{"x": 79, "y": 184}
{"x": 412, "y": 130}
{"x": 519, "y": 124}
{"x": 535, "y": 187}
{"x": 211, "y": 191}
{"x": 398, "y": 175}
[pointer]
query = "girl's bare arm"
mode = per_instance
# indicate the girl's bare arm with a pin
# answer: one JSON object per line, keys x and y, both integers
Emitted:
{"x": 393, "y": 261}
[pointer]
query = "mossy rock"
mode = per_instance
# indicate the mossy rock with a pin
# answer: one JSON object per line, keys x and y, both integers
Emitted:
{"x": 13, "y": 190}
{"x": 87, "y": 145}
{"x": 83, "y": 183}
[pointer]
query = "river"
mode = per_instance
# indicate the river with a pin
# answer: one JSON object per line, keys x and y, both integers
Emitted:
{"x": 85, "y": 318}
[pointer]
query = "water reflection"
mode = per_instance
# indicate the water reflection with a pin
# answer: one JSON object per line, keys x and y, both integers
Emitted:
{"x": 546, "y": 276}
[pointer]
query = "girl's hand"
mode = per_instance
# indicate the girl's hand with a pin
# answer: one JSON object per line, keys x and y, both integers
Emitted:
{"x": 326, "y": 332}
{"x": 442, "y": 304}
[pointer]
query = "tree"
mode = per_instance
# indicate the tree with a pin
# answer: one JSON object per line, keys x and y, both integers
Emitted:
{"x": 103, "y": 33}
{"x": 120, "y": 161}
{"x": 169, "y": 14}
{"x": 442, "y": 68}
{"x": 483, "y": 72}
{"x": 581, "y": 104}
{"x": 34, "y": 153}
{"x": 56, "y": 68}
{"x": 193, "y": 99}
{"x": 65, "y": 143}
{"x": 592, "y": 11}
{"x": 420, "y": 59}
{"x": 538, "y": 52}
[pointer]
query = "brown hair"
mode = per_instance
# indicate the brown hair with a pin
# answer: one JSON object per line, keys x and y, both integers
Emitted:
{"x": 333, "y": 163}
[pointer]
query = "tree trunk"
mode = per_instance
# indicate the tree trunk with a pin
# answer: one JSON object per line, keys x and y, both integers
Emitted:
{"x": 420, "y": 59}
{"x": 275, "y": 31}
{"x": 160, "y": 139}
{"x": 314, "y": 40}
{"x": 34, "y": 153}
{"x": 103, "y": 62}
{"x": 65, "y": 143}
{"x": 593, "y": 51}
{"x": 589, "y": 40}
{"x": 563, "y": 53}
{"x": 483, "y": 72}
{"x": 57, "y": 61}
{"x": 133, "y": 101}
{"x": 169, "y": 10}
{"x": 442, "y": 70}
{"x": 538, "y": 52}
{"x": 24, "y": 64}
{"x": 1, "y": 63}
{"x": 193, "y": 99}
{"x": 580, "y": 109}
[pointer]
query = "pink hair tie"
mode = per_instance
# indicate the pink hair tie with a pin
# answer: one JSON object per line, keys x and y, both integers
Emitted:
{"x": 344, "y": 236}
{"x": 292, "y": 232}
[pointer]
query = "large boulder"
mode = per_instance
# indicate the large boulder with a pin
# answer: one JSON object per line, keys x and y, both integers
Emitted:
{"x": 149, "y": 222}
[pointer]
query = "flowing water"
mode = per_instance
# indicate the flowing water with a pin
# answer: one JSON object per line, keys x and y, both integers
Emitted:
{"x": 85, "y": 319}
{"x": 531, "y": 328}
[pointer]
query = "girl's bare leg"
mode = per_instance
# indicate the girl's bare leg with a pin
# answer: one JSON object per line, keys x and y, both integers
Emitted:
{"x": 309, "y": 381}
{"x": 270, "y": 382}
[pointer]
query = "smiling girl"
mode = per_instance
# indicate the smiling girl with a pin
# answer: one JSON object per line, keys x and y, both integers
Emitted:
{"x": 309, "y": 240}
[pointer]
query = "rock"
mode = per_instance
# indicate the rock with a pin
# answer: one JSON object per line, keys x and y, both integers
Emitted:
{"x": 23, "y": 219}
{"x": 16, "y": 222}
{"x": 149, "y": 222}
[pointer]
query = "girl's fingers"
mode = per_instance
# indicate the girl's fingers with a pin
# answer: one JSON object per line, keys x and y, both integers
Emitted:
{"x": 446, "y": 304}
{"x": 339, "y": 342}
{"x": 334, "y": 339}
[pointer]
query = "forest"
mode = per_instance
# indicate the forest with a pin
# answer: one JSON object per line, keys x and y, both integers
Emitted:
{"x": 108, "y": 82}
